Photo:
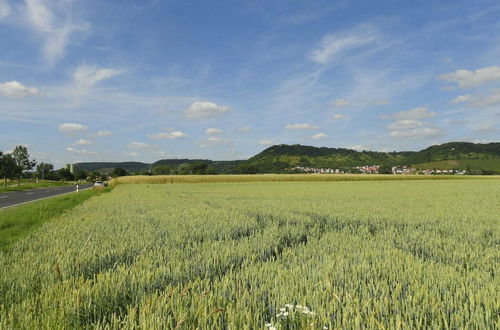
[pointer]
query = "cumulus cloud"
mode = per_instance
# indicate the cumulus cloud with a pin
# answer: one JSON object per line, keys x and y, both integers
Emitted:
{"x": 79, "y": 151}
{"x": 416, "y": 113}
{"x": 103, "y": 133}
{"x": 168, "y": 135}
{"x": 82, "y": 142}
{"x": 205, "y": 109}
{"x": 139, "y": 145}
{"x": 245, "y": 129}
{"x": 86, "y": 76}
{"x": 319, "y": 136}
{"x": 213, "y": 141}
{"x": 16, "y": 90}
{"x": 413, "y": 129}
{"x": 358, "y": 147}
{"x": 339, "y": 103}
{"x": 303, "y": 126}
{"x": 53, "y": 21}
{"x": 332, "y": 46}
{"x": 479, "y": 101}
{"x": 467, "y": 79}
{"x": 265, "y": 142}
{"x": 213, "y": 131}
{"x": 4, "y": 9}
{"x": 72, "y": 128}
{"x": 338, "y": 116}
{"x": 461, "y": 98}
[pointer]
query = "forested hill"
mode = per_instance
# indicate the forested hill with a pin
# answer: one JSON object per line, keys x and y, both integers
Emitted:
{"x": 282, "y": 156}
{"x": 279, "y": 157}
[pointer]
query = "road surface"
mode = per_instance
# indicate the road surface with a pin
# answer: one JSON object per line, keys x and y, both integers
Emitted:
{"x": 14, "y": 198}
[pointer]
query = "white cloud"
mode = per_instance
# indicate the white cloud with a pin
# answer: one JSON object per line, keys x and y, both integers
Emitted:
{"x": 413, "y": 129}
{"x": 486, "y": 101}
{"x": 139, "y": 145}
{"x": 213, "y": 141}
{"x": 16, "y": 90}
{"x": 79, "y": 151}
{"x": 358, "y": 147}
{"x": 132, "y": 154}
{"x": 467, "y": 79}
{"x": 416, "y": 113}
{"x": 82, "y": 142}
{"x": 265, "y": 142}
{"x": 168, "y": 135}
{"x": 52, "y": 20}
{"x": 103, "y": 133}
{"x": 213, "y": 131}
{"x": 303, "y": 126}
{"x": 461, "y": 98}
{"x": 333, "y": 45}
{"x": 479, "y": 101}
{"x": 405, "y": 124}
{"x": 163, "y": 154}
{"x": 338, "y": 116}
{"x": 448, "y": 88}
{"x": 245, "y": 129}
{"x": 205, "y": 109}
{"x": 319, "y": 136}
{"x": 87, "y": 76}
{"x": 4, "y": 9}
{"x": 72, "y": 128}
{"x": 339, "y": 103}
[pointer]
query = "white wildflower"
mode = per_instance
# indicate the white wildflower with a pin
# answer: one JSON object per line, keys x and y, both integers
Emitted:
{"x": 268, "y": 325}
{"x": 282, "y": 309}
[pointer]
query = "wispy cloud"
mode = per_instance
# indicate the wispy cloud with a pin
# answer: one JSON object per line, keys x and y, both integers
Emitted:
{"x": 334, "y": 45}
{"x": 339, "y": 103}
{"x": 213, "y": 141}
{"x": 16, "y": 90}
{"x": 319, "y": 136}
{"x": 4, "y": 9}
{"x": 139, "y": 145}
{"x": 301, "y": 126}
{"x": 53, "y": 21}
{"x": 213, "y": 131}
{"x": 416, "y": 113}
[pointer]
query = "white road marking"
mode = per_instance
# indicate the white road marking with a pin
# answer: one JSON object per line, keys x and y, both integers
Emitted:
{"x": 4, "y": 196}
{"x": 30, "y": 193}
{"x": 9, "y": 206}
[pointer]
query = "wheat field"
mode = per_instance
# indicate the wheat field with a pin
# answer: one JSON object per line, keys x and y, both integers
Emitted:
{"x": 263, "y": 255}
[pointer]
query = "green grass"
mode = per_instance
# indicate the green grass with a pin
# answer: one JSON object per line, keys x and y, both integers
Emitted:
{"x": 26, "y": 185}
{"x": 363, "y": 255}
{"x": 19, "y": 221}
{"x": 463, "y": 164}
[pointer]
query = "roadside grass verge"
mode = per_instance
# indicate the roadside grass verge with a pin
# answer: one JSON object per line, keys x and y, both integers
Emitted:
{"x": 18, "y": 221}
{"x": 161, "y": 179}
{"x": 12, "y": 186}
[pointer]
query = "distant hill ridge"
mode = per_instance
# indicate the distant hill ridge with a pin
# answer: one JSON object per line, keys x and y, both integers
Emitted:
{"x": 278, "y": 157}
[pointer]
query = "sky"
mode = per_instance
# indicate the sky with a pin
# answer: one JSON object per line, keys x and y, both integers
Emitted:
{"x": 143, "y": 80}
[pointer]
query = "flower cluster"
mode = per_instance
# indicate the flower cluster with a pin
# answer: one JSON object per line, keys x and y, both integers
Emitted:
{"x": 284, "y": 312}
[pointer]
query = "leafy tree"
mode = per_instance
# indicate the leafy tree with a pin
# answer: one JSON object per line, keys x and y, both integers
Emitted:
{"x": 246, "y": 169}
{"x": 23, "y": 161}
{"x": 184, "y": 168}
{"x": 385, "y": 169}
{"x": 119, "y": 171}
{"x": 95, "y": 176}
{"x": 81, "y": 175}
{"x": 65, "y": 174}
{"x": 43, "y": 170}
{"x": 8, "y": 168}
{"x": 161, "y": 170}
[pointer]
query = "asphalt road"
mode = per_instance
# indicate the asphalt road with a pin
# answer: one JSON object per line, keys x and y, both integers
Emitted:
{"x": 20, "y": 197}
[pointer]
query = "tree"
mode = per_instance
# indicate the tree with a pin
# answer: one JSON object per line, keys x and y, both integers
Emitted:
{"x": 119, "y": 171}
{"x": 8, "y": 168}
{"x": 43, "y": 170}
{"x": 184, "y": 168}
{"x": 81, "y": 175}
{"x": 65, "y": 174}
{"x": 23, "y": 161}
{"x": 385, "y": 169}
{"x": 246, "y": 169}
{"x": 161, "y": 170}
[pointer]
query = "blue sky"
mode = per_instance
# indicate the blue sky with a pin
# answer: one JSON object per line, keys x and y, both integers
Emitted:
{"x": 145, "y": 80}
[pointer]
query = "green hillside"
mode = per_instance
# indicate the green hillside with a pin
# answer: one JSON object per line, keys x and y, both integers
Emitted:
{"x": 474, "y": 165}
{"x": 279, "y": 157}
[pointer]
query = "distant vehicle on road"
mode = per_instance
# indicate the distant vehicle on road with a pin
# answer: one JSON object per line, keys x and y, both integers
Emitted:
{"x": 98, "y": 184}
